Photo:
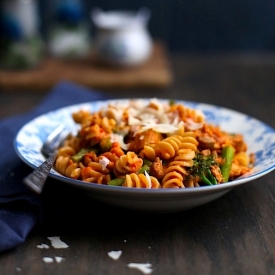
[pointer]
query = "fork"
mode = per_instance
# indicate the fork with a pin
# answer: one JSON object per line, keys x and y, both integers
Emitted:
{"x": 35, "y": 181}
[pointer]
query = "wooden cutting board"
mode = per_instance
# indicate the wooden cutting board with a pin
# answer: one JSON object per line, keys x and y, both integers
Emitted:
{"x": 155, "y": 73}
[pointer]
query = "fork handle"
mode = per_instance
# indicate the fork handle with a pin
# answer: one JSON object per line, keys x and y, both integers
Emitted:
{"x": 35, "y": 181}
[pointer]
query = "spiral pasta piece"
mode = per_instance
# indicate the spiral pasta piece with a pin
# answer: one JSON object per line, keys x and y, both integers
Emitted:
{"x": 66, "y": 167}
{"x": 176, "y": 170}
{"x": 93, "y": 176}
{"x": 93, "y": 119}
{"x": 172, "y": 179}
{"x": 95, "y": 172}
{"x": 81, "y": 115}
{"x": 108, "y": 124}
{"x": 94, "y": 134}
{"x": 148, "y": 152}
{"x": 66, "y": 151}
{"x": 168, "y": 147}
{"x": 129, "y": 163}
{"x": 189, "y": 141}
{"x": 141, "y": 181}
{"x": 191, "y": 182}
{"x": 184, "y": 158}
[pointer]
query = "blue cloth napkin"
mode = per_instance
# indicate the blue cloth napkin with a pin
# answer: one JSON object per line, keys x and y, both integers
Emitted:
{"x": 20, "y": 209}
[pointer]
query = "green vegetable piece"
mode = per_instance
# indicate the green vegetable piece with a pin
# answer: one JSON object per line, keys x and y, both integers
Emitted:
{"x": 172, "y": 102}
{"x": 205, "y": 179}
{"x": 147, "y": 162}
{"x": 116, "y": 182}
{"x": 201, "y": 167}
{"x": 78, "y": 156}
{"x": 211, "y": 177}
{"x": 143, "y": 169}
{"x": 105, "y": 144}
{"x": 228, "y": 154}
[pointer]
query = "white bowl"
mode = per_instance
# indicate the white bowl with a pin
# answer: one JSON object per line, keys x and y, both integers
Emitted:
{"x": 259, "y": 137}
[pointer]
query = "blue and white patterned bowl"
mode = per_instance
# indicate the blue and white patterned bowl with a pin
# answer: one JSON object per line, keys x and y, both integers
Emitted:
{"x": 259, "y": 137}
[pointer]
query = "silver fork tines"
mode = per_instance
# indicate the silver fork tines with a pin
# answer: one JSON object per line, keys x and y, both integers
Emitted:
{"x": 36, "y": 180}
{"x": 53, "y": 140}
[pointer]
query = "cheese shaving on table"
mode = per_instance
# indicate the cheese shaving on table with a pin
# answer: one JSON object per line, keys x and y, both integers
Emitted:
{"x": 145, "y": 268}
{"x": 115, "y": 254}
{"x": 57, "y": 243}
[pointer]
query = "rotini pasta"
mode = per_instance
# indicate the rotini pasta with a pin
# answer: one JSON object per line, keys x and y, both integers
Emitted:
{"x": 148, "y": 152}
{"x": 140, "y": 181}
{"x": 156, "y": 145}
{"x": 67, "y": 167}
{"x": 129, "y": 163}
{"x": 168, "y": 147}
{"x": 176, "y": 170}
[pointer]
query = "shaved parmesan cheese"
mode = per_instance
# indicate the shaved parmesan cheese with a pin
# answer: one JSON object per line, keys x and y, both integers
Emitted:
{"x": 192, "y": 125}
{"x": 120, "y": 140}
{"x": 57, "y": 243}
{"x": 145, "y": 268}
{"x": 59, "y": 259}
{"x": 48, "y": 260}
{"x": 134, "y": 121}
{"x": 200, "y": 114}
{"x": 150, "y": 112}
{"x": 51, "y": 260}
{"x": 115, "y": 254}
{"x": 148, "y": 179}
{"x": 113, "y": 112}
{"x": 42, "y": 246}
{"x": 103, "y": 161}
{"x": 136, "y": 104}
{"x": 160, "y": 106}
{"x": 161, "y": 128}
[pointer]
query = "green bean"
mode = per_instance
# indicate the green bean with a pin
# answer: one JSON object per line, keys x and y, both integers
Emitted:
{"x": 228, "y": 153}
{"x": 79, "y": 155}
{"x": 116, "y": 182}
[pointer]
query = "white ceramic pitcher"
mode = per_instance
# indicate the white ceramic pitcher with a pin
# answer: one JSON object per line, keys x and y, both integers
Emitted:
{"x": 122, "y": 37}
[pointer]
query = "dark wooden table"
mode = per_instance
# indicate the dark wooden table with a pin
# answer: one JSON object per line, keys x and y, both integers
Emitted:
{"x": 234, "y": 234}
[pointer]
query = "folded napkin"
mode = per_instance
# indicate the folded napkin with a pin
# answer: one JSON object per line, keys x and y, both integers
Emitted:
{"x": 20, "y": 209}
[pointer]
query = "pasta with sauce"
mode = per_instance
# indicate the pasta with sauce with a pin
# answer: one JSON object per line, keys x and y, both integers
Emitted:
{"x": 159, "y": 145}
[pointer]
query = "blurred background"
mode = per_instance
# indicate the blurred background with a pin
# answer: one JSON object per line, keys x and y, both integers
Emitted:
{"x": 186, "y": 28}
{"x": 198, "y": 25}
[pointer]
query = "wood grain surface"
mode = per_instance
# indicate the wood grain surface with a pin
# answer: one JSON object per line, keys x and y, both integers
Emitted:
{"x": 154, "y": 73}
